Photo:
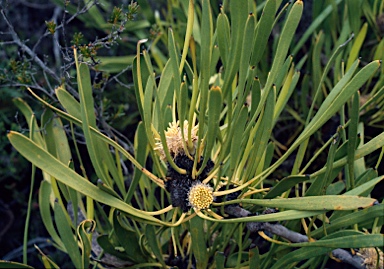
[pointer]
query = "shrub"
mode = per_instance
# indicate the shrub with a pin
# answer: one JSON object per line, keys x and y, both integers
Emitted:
{"x": 207, "y": 190}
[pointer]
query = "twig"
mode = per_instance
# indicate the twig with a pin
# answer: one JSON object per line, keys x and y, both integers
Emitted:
{"x": 33, "y": 86}
{"x": 17, "y": 252}
{"x": 55, "y": 44}
{"x": 25, "y": 48}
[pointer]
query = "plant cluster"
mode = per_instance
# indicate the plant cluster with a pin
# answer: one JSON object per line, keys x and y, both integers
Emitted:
{"x": 233, "y": 167}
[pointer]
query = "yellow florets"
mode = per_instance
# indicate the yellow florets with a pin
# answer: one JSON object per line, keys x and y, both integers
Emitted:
{"x": 200, "y": 196}
{"x": 175, "y": 139}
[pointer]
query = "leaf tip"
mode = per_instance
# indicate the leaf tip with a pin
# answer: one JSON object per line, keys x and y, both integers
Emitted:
{"x": 141, "y": 41}
{"x": 216, "y": 89}
{"x": 10, "y": 133}
{"x": 299, "y": 2}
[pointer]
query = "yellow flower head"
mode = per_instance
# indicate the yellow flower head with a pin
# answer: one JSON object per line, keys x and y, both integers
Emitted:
{"x": 200, "y": 196}
{"x": 175, "y": 139}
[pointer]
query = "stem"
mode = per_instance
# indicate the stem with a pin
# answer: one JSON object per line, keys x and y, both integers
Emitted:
{"x": 25, "y": 240}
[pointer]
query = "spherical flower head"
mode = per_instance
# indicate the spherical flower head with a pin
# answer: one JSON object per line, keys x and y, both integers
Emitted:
{"x": 175, "y": 139}
{"x": 200, "y": 196}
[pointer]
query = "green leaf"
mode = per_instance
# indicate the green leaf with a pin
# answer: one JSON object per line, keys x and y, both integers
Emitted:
{"x": 61, "y": 172}
{"x": 244, "y": 67}
{"x": 354, "y": 12}
{"x": 285, "y": 72}
{"x": 327, "y": 245}
{"x": 368, "y": 175}
{"x": 284, "y": 185}
{"x": 315, "y": 23}
{"x": 374, "y": 144}
{"x": 96, "y": 132}
{"x": 147, "y": 111}
{"x": 48, "y": 263}
{"x": 349, "y": 220}
{"x": 140, "y": 144}
{"x": 335, "y": 188}
{"x": 109, "y": 248}
{"x": 199, "y": 246}
{"x": 280, "y": 216}
{"x": 83, "y": 230}
{"x": 300, "y": 255}
{"x": 12, "y": 265}
{"x": 254, "y": 258}
{"x": 114, "y": 64}
{"x": 129, "y": 240}
{"x": 214, "y": 109}
{"x": 67, "y": 236}
{"x": 174, "y": 61}
{"x": 268, "y": 156}
{"x": 324, "y": 202}
{"x": 263, "y": 31}
{"x": 55, "y": 137}
{"x": 285, "y": 39}
{"x": 321, "y": 183}
{"x": 235, "y": 150}
{"x": 165, "y": 88}
{"x": 154, "y": 244}
{"x": 104, "y": 187}
{"x": 57, "y": 144}
{"x": 239, "y": 14}
{"x": 347, "y": 241}
{"x": 92, "y": 18}
{"x": 45, "y": 212}
{"x": 183, "y": 103}
{"x": 338, "y": 97}
{"x": 223, "y": 35}
{"x": 234, "y": 258}
{"x": 206, "y": 54}
{"x": 286, "y": 92}
{"x": 98, "y": 150}
{"x": 31, "y": 120}
{"x": 355, "y": 50}
{"x": 352, "y": 140}
{"x": 68, "y": 102}
{"x": 265, "y": 130}
{"x": 188, "y": 33}
{"x": 140, "y": 77}
{"x": 316, "y": 62}
{"x": 366, "y": 187}
{"x": 219, "y": 260}
{"x": 256, "y": 96}
{"x": 89, "y": 120}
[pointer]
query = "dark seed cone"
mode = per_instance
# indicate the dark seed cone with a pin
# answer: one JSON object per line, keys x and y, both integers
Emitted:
{"x": 179, "y": 188}
{"x": 179, "y": 185}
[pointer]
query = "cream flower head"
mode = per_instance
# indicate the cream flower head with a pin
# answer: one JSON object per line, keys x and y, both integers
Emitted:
{"x": 175, "y": 139}
{"x": 369, "y": 256}
{"x": 200, "y": 196}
